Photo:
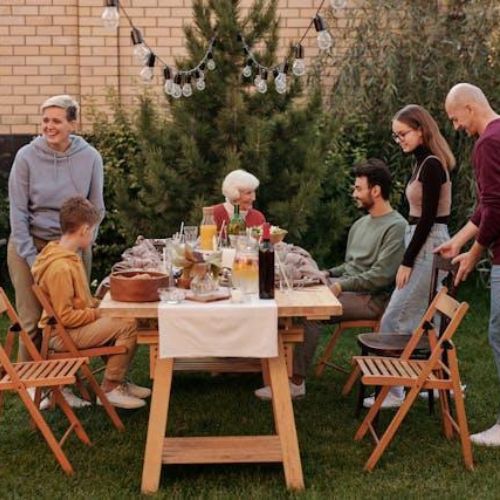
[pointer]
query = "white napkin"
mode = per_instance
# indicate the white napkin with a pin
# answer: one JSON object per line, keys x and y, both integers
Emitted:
{"x": 220, "y": 329}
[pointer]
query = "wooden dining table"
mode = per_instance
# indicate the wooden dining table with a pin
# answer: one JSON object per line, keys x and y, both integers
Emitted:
{"x": 316, "y": 303}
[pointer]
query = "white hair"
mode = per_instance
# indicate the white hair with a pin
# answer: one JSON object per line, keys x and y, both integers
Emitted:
{"x": 238, "y": 180}
{"x": 65, "y": 102}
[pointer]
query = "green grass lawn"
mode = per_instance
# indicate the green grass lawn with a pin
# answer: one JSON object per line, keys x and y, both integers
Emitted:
{"x": 420, "y": 462}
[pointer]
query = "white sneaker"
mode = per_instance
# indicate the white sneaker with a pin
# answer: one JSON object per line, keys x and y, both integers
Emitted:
{"x": 297, "y": 391}
{"x": 120, "y": 398}
{"x": 489, "y": 437}
{"x": 425, "y": 394}
{"x": 73, "y": 400}
{"x": 390, "y": 401}
{"x": 45, "y": 401}
{"x": 137, "y": 391}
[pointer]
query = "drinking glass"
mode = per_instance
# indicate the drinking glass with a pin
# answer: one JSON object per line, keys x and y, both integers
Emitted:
{"x": 190, "y": 235}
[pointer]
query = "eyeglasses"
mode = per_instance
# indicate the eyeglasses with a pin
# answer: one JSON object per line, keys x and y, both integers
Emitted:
{"x": 400, "y": 136}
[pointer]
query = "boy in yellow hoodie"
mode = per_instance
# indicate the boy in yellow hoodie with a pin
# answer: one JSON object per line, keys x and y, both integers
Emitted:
{"x": 60, "y": 273}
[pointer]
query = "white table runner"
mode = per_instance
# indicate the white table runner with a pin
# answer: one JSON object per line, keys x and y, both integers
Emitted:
{"x": 220, "y": 329}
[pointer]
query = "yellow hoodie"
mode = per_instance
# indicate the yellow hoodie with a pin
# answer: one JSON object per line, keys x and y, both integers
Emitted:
{"x": 61, "y": 275}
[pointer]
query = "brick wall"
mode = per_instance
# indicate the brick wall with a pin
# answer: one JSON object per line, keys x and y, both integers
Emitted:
{"x": 50, "y": 47}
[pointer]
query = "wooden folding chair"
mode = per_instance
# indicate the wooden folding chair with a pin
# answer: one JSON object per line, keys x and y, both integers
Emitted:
{"x": 325, "y": 360}
{"x": 39, "y": 374}
{"x": 393, "y": 344}
{"x": 55, "y": 327}
{"x": 417, "y": 375}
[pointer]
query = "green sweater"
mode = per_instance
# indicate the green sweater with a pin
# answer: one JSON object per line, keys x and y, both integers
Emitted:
{"x": 375, "y": 249}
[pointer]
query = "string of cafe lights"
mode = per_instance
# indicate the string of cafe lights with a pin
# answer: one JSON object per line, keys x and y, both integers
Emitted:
{"x": 178, "y": 83}
{"x": 253, "y": 68}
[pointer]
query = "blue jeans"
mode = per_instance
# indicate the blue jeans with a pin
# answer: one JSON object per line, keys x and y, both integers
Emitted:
{"x": 494, "y": 327}
{"x": 407, "y": 305}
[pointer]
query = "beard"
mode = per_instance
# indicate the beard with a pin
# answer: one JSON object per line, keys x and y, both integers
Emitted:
{"x": 365, "y": 204}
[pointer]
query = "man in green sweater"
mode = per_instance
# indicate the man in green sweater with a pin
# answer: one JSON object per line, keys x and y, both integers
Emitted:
{"x": 375, "y": 249}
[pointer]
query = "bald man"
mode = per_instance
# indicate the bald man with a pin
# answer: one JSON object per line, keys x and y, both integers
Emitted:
{"x": 469, "y": 110}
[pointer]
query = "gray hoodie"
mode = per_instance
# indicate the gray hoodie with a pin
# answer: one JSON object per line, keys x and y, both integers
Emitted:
{"x": 41, "y": 180}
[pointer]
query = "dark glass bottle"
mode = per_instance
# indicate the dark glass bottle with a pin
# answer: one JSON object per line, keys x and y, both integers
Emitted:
{"x": 266, "y": 265}
{"x": 236, "y": 225}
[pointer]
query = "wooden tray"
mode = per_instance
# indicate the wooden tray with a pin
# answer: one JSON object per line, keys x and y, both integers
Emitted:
{"x": 209, "y": 297}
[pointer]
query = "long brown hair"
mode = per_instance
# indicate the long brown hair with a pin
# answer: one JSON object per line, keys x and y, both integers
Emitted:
{"x": 418, "y": 118}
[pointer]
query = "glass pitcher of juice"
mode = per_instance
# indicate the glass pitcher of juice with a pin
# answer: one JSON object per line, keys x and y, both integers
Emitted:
{"x": 208, "y": 229}
{"x": 245, "y": 274}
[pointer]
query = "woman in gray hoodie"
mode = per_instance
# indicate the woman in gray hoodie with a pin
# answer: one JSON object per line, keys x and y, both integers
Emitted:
{"x": 52, "y": 168}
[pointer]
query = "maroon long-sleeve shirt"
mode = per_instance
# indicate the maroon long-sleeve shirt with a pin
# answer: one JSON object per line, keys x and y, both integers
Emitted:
{"x": 486, "y": 162}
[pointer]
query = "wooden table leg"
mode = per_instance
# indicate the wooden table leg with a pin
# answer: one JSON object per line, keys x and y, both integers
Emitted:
{"x": 284, "y": 421}
{"x": 157, "y": 425}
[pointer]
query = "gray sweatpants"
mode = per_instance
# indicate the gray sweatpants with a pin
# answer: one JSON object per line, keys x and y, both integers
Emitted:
{"x": 354, "y": 306}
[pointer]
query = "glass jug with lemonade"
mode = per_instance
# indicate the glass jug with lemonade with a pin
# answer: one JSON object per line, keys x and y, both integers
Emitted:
{"x": 245, "y": 274}
{"x": 208, "y": 229}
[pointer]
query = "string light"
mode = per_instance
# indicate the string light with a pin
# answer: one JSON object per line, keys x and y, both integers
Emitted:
{"x": 141, "y": 52}
{"x": 147, "y": 73}
{"x": 187, "y": 90}
{"x": 210, "y": 61}
{"x": 299, "y": 65}
{"x": 177, "y": 84}
{"x": 338, "y": 4}
{"x": 247, "y": 70}
{"x": 176, "y": 87}
{"x": 200, "y": 79}
{"x": 111, "y": 16}
{"x": 169, "y": 83}
{"x": 324, "y": 38}
{"x": 279, "y": 72}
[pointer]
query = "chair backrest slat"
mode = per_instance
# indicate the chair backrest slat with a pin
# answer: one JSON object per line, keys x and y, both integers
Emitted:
{"x": 447, "y": 305}
{"x": 54, "y": 322}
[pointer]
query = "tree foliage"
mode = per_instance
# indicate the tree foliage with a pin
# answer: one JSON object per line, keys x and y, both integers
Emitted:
{"x": 407, "y": 51}
{"x": 175, "y": 157}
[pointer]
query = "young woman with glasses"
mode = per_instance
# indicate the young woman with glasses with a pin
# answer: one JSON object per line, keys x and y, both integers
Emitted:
{"x": 429, "y": 196}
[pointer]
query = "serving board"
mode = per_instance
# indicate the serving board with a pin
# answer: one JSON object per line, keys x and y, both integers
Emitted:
{"x": 209, "y": 297}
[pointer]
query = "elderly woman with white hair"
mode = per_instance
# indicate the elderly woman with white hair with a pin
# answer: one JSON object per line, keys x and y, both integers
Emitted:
{"x": 239, "y": 187}
{"x": 52, "y": 168}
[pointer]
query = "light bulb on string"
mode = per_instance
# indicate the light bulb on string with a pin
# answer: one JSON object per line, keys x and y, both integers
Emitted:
{"x": 247, "y": 70}
{"x": 299, "y": 65}
{"x": 147, "y": 73}
{"x": 169, "y": 83}
{"x": 280, "y": 78}
{"x": 325, "y": 40}
{"x": 262, "y": 83}
{"x": 110, "y": 16}
{"x": 141, "y": 52}
{"x": 176, "y": 87}
{"x": 210, "y": 61}
{"x": 187, "y": 90}
{"x": 200, "y": 80}
{"x": 338, "y": 4}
